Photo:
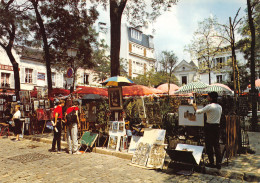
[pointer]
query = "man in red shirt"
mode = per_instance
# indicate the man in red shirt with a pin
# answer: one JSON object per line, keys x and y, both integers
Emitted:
{"x": 57, "y": 115}
{"x": 72, "y": 128}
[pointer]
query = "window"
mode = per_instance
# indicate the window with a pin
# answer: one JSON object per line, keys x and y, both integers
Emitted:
{"x": 5, "y": 82}
{"x": 53, "y": 78}
{"x": 28, "y": 75}
{"x": 220, "y": 62}
{"x": 184, "y": 79}
{"x": 136, "y": 34}
{"x": 183, "y": 68}
{"x": 219, "y": 78}
{"x": 86, "y": 79}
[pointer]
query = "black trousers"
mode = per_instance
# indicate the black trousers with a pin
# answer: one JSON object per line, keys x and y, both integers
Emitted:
{"x": 212, "y": 132}
{"x": 57, "y": 136}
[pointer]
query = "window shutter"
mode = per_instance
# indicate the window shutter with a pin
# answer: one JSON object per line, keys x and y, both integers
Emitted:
{"x": 22, "y": 79}
{"x": 11, "y": 79}
{"x": 57, "y": 82}
{"x": 130, "y": 47}
{"x": 35, "y": 72}
{"x": 130, "y": 68}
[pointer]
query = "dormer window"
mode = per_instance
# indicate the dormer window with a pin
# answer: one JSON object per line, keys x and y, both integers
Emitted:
{"x": 135, "y": 34}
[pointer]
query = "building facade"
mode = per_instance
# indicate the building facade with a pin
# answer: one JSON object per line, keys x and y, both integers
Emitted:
{"x": 136, "y": 51}
{"x": 220, "y": 67}
{"x": 186, "y": 72}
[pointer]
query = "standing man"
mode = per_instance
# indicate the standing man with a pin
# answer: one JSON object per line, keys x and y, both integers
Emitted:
{"x": 16, "y": 118}
{"x": 57, "y": 114}
{"x": 72, "y": 122}
{"x": 212, "y": 128}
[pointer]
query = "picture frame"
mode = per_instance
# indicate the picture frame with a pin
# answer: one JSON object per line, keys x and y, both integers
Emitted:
{"x": 188, "y": 117}
{"x": 113, "y": 142}
{"x": 36, "y": 104}
{"x": 1, "y": 108}
{"x": 14, "y": 98}
{"x": 27, "y": 107}
{"x": 41, "y": 102}
{"x": 1, "y": 101}
{"x": 115, "y": 98}
{"x": 47, "y": 104}
{"x": 21, "y": 107}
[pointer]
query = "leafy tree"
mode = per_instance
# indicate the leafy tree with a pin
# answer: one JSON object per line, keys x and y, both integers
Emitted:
{"x": 154, "y": 79}
{"x": 168, "y": 61}
{"x": 206, "y": 44}
{"x": 13, "y": 22}
{"x": 137, "y": 13}
{"x": 61, "y": 25}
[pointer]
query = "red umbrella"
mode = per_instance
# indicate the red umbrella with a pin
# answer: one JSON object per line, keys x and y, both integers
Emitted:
{"x": 139, "y": 90}
{"x": 164, "y": 87}
{"x": 82, "y": 90}
{"x": 59, "y": 91}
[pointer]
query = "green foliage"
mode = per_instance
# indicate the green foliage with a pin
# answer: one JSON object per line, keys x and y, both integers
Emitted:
{"x": 132, "y": 111}
{"x": 152, "y": 78}
{"x": 102, "y": 112}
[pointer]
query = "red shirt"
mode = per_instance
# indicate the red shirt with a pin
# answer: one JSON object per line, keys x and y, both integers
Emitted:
{"x": 70, "y": 109}
{"x": 58, "y": 110}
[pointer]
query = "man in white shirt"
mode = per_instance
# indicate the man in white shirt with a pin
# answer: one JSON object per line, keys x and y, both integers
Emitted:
{"x": 213, "y": 112}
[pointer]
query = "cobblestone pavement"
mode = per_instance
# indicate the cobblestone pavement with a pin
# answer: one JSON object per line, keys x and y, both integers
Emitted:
{"x": 29, "y": 161}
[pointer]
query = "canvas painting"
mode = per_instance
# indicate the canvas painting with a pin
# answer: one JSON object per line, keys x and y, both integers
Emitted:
{"x": 36, "y": 104}
{"x": 121, "y": 126}
{"x": 41, "y": 102}
{"x": 27, "y": 107}
{"x": 115, "y": 126}
{"x": 21, "y": 107}
{"x": 141, "y": 154}
{"x": 156, "y": 156}
{"x": 47, "y": 104}
{"x": 188, "y": 117}
{"x": 153, "y": 136}
{"x": 110, "y": 125}
{"x": 135, "y": 140}
{"x": 112, "y": 143}
{"x": 14, "y": 98}
{"x": 1, "y": 101}
{"x": 1, "y": 108}
{"x": 115, "y": 98}
{"x": 123, "y": 143}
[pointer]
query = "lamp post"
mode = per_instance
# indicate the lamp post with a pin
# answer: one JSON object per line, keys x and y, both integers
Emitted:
{"x": 72, "y": 52}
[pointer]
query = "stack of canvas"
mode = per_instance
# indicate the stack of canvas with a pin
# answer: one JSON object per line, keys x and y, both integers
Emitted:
{"x": 149, "y": 151}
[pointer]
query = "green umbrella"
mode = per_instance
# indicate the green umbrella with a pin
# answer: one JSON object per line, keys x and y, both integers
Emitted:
{"x": 192, "y": 87}
{"x": 215, "y": 88}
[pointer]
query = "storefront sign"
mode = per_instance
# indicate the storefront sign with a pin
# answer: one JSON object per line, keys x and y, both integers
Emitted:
{"x": 41, "y": 76}
{"x": 6, "y": 67}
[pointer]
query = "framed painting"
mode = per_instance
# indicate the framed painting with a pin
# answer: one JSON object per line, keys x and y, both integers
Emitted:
{"x": 41, "y": 102}
{"x": 14, "y": 98}
{"x": 141, "y": 154}
{"x": 1, "y": 108}
{"x": 1, "y": 101}
{"x": 115, "y": 98}
{"x": 113, "y": 142}
{"x": 47, "y": 104}
{"x": 36, "y": 104}
{"x": 27, "y": 107}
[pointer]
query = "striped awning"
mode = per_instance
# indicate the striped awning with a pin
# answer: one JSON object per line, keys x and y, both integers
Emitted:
{"x": 192, "y": 87}
{"x": 219, "y": 89}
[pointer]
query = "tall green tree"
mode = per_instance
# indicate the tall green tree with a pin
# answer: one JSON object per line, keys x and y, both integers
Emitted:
{"x": 168, "y": 60}
{"x": 61, "y": 25}
{"x": 13, "y": 22}
{"x": 206, "y": 44}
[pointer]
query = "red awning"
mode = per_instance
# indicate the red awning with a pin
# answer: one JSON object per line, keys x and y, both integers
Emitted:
{"x": 82, "y": 90}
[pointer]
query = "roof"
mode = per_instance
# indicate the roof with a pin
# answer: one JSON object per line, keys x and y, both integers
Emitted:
{"x": 145, "y": 38}
{"x": 32, "y": 54}
{"x": 192, "y": 65}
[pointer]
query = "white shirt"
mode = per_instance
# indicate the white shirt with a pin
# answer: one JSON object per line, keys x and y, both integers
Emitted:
{"x": 213, "y": 112}
{"x": 17, "y": 115}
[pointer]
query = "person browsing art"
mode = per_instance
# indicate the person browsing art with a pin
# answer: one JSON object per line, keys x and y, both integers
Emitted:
{"x": 16, "y": 118}
{"x": 212, "y": 128}
{"x": 72, "y": 123}
{"x": 58, "y": 116}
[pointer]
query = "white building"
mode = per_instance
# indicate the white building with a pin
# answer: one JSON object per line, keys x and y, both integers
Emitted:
{"x": 137, "y": 48}
{"x": 186, "y": 72}
{"x": 33, "y": 72}
{"x": 219, "y": 68}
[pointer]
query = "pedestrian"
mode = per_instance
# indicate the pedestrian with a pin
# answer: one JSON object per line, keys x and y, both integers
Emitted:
{"x": 212, "y": 129}
{"x": 72, "y": 123}
{"x": 17, "y": 123}
{"x": 57, "y": 115}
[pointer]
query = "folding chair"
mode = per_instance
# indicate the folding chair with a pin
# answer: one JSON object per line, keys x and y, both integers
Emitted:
{"x": 88, "y": 139}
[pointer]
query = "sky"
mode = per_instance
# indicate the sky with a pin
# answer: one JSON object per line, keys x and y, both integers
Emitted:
{"x": 174, "y": 29}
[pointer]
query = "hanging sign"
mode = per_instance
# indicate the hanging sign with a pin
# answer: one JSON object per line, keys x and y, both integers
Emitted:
{"x": 70, "y": 72}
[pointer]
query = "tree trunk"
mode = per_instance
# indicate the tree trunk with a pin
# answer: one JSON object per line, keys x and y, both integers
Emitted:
{"x": 16, "y": 72}
{"x": 45, "y": 47}
{"x": 253, "y": 90}
{"x": 115, "y": 21}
